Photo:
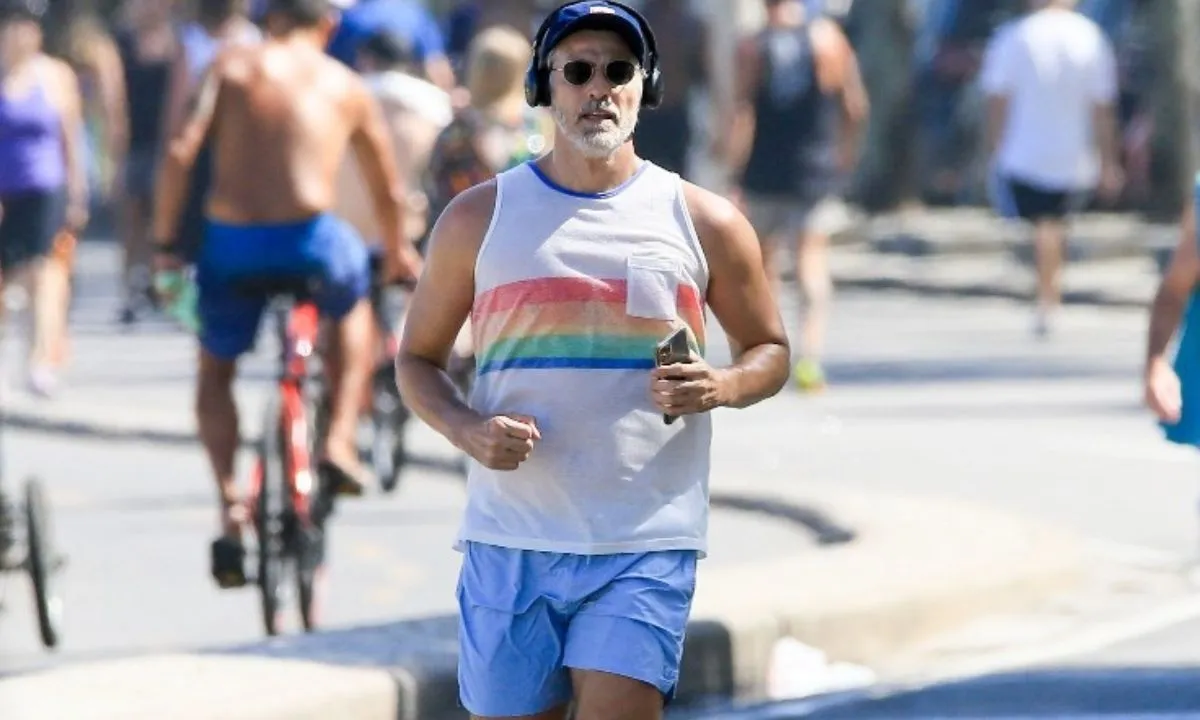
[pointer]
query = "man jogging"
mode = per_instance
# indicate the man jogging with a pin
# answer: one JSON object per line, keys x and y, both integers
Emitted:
{"x": 586, "y": 511}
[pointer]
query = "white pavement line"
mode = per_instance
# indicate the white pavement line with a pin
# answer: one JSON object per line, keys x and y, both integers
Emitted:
{"x": 1091, "y": 640}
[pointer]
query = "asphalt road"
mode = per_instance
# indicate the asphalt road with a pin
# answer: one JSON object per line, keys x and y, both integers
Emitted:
{"x": 938, "y": 397}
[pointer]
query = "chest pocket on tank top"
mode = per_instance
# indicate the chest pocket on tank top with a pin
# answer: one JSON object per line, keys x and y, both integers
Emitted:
{"x": 651, "y": 285}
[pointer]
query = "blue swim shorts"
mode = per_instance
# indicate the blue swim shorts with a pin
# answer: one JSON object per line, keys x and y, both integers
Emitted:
{"x": 526, "y": 618}
{"x": 324, "y": 247}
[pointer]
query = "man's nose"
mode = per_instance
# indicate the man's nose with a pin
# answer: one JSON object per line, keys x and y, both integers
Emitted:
{"x": 599, "y": 88}
{"x": 598, "y": 85}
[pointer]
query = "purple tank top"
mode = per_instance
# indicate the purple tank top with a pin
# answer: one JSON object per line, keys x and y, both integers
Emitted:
{"x": 31, "y": 147}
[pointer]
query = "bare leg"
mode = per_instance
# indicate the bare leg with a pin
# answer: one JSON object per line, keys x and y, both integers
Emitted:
{"x": 51, "y": 296}
{"x": 558, "y": 713}
{"x": 351, "y": 361}
{"x": 1049, "y": 241}
{"x": 137, "y": 253}
{"x": 816, "y": 291}
{"x": 217, "y": 418}
{"x": 605, "y": 696}
{"x": 770, "y": 259}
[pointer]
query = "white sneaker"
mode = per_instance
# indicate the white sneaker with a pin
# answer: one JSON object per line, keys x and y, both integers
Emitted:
{"x": 1041, "y": 324}
{"x": 43, "y": 382}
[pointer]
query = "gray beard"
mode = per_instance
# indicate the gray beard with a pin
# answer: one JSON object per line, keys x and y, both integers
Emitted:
{"x": 598, "y": 144}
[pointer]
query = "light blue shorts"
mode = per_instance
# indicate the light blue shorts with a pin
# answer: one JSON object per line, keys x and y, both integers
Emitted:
{"x": 526, "y": 617}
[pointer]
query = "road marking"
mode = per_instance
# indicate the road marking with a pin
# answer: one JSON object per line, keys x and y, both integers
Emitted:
{"x": 1093, "y": 639}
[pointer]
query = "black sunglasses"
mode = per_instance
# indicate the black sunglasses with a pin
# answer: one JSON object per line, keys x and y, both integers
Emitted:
{"x": 580, "y": 72}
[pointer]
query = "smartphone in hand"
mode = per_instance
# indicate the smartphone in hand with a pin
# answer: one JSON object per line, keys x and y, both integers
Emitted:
{"x": 671, "y": 350}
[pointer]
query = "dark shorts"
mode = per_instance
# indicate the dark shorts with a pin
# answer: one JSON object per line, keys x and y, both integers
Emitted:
{"x": 28, "y": 226}
{"x": 324, "y": 247}
{"x": 1020, "y": 199}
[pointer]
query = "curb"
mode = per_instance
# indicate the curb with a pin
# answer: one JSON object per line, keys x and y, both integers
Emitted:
{"x": 862, "y": 620}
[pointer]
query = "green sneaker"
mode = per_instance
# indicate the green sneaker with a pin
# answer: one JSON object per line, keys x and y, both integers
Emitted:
{"x": 809, "y": 376}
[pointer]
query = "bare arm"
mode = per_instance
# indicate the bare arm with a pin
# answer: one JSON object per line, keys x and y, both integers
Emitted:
{"x": 177, "y": 94}
{"x": 437, "y": 311}
{"x": 997, "y": 118}
{"x": 376, "y": 158}
{"x": 733, "y": 146}
{"x": 1181, "y": 278}
{"x": 182, "y": 149}
{"x": 1104, "y": 114}
{"x": 996, "y": 81}
{"x": 111, "y": 79}
{"x": 740, "y": 297}
{"x": 1104, "y": 124}
{"x": 439, "y": 72}
{"x": 838, "y": 74}
{"x": 71, "y": 111}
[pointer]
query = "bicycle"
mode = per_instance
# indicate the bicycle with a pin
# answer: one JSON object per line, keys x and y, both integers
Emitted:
{"x": 389, "y": 415}
{"x": 37, "y": 555}
{"x": 289, "y": 499}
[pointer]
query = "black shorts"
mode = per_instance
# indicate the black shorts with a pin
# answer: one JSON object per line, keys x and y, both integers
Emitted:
{"x": 1028, "y": 201}
{"x": 29, "y": 223}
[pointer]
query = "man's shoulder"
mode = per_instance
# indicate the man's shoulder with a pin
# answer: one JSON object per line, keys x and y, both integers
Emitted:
{"x": 714, "y": 217}
{"x": 465, "y": 221}
{"x": 58, "y": 68}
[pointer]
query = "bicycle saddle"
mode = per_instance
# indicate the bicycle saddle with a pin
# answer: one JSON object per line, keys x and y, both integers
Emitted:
{"x": 297, "y": 286}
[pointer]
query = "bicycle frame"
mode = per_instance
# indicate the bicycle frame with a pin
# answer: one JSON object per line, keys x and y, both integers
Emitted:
{"x": 298, "y": 325}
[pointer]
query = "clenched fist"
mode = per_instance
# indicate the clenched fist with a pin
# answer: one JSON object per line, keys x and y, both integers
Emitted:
{"x": 501, "y": 442}
{"x": 1163, "y": 392}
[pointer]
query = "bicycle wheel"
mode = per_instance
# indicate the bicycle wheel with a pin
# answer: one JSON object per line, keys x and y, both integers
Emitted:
{"x": 310, "y": 564}
{"x": 388, "y": 417}
{"x": 308, "y": 547}
{"x": 271, "y": 519}
{"x": 42, "y": 562}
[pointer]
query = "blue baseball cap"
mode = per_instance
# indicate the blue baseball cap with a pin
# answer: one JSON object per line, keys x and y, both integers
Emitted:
{"x": 596, "y": 15}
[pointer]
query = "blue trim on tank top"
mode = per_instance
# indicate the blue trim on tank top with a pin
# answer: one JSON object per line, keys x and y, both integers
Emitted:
{"x": 587, "y": 196}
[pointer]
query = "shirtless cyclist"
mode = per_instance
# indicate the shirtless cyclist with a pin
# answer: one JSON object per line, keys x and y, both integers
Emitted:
{"x": 280, "y": 116}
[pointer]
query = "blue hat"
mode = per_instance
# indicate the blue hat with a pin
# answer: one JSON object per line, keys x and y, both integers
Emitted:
{"x": 596, "y": 15}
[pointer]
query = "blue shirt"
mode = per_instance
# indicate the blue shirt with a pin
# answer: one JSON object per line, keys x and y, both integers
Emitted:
{"x": 406, "y": 18}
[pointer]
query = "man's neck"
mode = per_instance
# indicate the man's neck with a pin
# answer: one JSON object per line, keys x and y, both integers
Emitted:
{"x": 567, "y": 167}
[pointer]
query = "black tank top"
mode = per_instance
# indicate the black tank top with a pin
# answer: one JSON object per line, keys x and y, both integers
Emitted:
{"x": 146, "y": 90}
{"x": 794, "y": 152}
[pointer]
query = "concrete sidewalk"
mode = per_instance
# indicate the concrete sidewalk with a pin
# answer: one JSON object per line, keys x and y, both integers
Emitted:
{"x": 1113, "y": 260}
{"x": 856, "y": 601}
{"x": 914, "y": 569}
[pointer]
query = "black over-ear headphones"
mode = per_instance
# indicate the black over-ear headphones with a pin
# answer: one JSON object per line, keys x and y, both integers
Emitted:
{"x": 537, "y": 77}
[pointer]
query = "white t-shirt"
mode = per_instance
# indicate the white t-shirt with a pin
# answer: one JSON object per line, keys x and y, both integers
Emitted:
{"x": 415, "y": 95}
{"x": 1054, "y": 66}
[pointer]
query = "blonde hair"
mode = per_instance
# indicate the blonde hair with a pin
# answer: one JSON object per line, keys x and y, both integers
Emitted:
{"x": 496, "y": 65}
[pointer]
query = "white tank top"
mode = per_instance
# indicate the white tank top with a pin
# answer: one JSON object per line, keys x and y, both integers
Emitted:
{"x": 572, "y": 293}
